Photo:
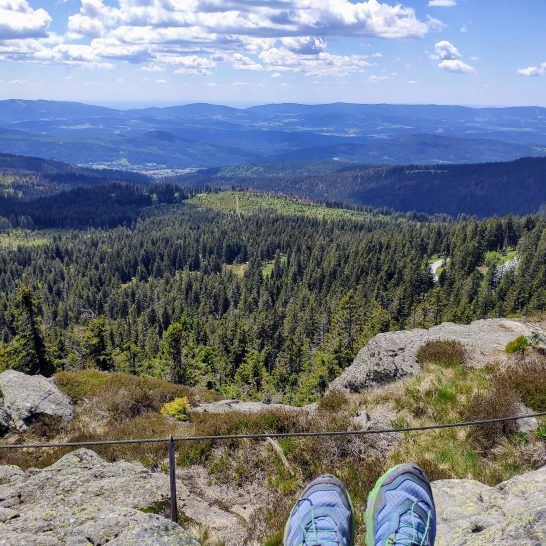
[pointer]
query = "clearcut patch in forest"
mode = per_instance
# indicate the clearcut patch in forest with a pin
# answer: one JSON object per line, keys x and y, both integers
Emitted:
{"x": 242, "y": 202}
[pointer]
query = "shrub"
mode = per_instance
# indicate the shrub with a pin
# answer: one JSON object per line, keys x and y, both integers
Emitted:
{"x": 528, "y": 380}
{"x": 518, "y": 345}
{"x": 442, "y": 352}
{"x": 179, "y": 408}
{"x": 120, "y": 396}
{"x": 333, "y": 401}
{"x": 88, "y": 383}
{"x": 499, "y": 400}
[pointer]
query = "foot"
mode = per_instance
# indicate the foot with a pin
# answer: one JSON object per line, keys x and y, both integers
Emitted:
{"x": 401, "y": 509}
{"x": 322, "y": 516}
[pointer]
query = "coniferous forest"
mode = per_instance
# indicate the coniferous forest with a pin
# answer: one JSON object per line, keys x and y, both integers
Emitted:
{"x": 258, "y": 303}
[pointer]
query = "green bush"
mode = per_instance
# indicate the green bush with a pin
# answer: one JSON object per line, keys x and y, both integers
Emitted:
{"x": 443, "y": 352}
{"x": 518, "y": 345}
{"x": 179, "y": 408}
{"x": 333, "y": 401}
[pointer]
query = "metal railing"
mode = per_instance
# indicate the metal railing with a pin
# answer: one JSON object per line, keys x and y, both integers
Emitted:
{"x": 171, "y": 441}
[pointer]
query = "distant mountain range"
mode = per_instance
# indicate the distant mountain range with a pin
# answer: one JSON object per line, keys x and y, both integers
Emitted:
{"x": 205, "y": 135}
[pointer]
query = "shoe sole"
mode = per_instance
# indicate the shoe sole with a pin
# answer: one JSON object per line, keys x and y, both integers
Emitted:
{"x": 384, "y": 480}
{"x": 326, "y": 479}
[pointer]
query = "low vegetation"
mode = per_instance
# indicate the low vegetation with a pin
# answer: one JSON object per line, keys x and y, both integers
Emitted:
{"x": 518, "y": 345}
{"x": 112, "y": 405}
{"x": 243, "y": 203}
{"x": 179, "y": 408}
{"x": 442, "y": 352}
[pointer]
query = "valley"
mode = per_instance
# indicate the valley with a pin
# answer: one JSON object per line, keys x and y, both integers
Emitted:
{"x": 265, "y": 298}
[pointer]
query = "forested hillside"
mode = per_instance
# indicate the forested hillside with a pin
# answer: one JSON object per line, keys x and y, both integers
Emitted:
{"x": 256, "y": 298}
{"x": 26, "y": 177}
{"x": 485, "y": 189}
{"x": 104, "y": 206}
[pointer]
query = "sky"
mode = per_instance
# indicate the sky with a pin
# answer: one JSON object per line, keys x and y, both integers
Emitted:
{"x": 244, "y": 52}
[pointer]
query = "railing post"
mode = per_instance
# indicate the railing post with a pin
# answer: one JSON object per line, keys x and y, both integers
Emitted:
{"x": 172, "y": 479}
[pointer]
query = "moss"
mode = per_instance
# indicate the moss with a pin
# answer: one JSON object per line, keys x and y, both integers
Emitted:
{"x": 518, "y": 345}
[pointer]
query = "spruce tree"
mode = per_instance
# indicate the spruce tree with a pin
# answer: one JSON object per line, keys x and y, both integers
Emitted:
{"x": 28, "y": 350}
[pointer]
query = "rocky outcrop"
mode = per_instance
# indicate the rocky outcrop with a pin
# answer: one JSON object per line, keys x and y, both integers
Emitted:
{"x": 24, "y": 398}
{"x": 83, "y": 499}
{"x": 473, "y": 514}
{"x": 224, "y": 406}
{"x": 392, "y": 355}
{"x": 537, "y": 339}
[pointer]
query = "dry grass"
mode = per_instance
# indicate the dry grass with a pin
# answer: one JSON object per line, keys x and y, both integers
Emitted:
{"x": 527, "y": 378}
{"x": 143, "y": 392}
{"x": 442, "y": 352}
{"x": 333, "y": 401}
{"x": 498, "y": 400}
{"x": 440, "y": 393}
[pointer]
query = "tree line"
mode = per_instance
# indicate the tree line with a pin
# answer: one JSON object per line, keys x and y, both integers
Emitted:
{"x": 257, "y": 305}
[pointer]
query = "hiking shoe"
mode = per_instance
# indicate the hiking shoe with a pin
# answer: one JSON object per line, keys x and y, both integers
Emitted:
{"x": 400, "y": 509}
{"x": 322, "y": 516}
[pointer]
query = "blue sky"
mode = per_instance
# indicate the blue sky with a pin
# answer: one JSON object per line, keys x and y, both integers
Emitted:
{"x": 241, "y": 52}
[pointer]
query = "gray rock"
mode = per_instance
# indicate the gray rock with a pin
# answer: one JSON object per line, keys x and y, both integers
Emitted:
{"x": 473, "y": 514}
{"x": 224, "y": 406}
{"x": 526, "y": 425}
{"x": 392, "y": 355}
{"x": 506, "y": 267}
{"x": 82, "y": 496}
{"x": 362, "y": 420}
{"x": 25, "y": 397}
{"x": 5, "y": 420}
{"x": 82, "y": 500}
{"x": 537, "y": 339}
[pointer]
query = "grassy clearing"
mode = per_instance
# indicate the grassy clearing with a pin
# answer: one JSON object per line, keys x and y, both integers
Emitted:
{"x": 239, "y": 202}
{"x": 240, "y": 269}
{"x": 27, "y": 238}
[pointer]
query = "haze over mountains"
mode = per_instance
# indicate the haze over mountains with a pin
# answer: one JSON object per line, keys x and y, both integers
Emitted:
{"x": 205, "y": 135}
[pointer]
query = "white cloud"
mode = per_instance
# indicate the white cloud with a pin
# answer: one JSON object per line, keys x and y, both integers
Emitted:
{"x": 456, "y": 65}
{"x": 442, "y": 3}
{"x": 19, "y": 20}
{"x": 241, "y": 62}
{"x": 464, "y": 28}
{"x": 194, "y": 36}
{"x": 445, "y": 50}
{"x": 533, "y": 70}
{"x": 321, "y": 64}
{"x": 450, "y": 58}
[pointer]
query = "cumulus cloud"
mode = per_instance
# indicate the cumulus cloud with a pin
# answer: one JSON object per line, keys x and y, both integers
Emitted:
{"x": 19, "y": 20}
{"x": 193, "y": 36}
{"x": 531, "y": 71}
{"x": 450, "y": 58}
{"x": 442, "y": 3}
{"x": 456, "y": 65}
{"x": 322, "y": 64}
